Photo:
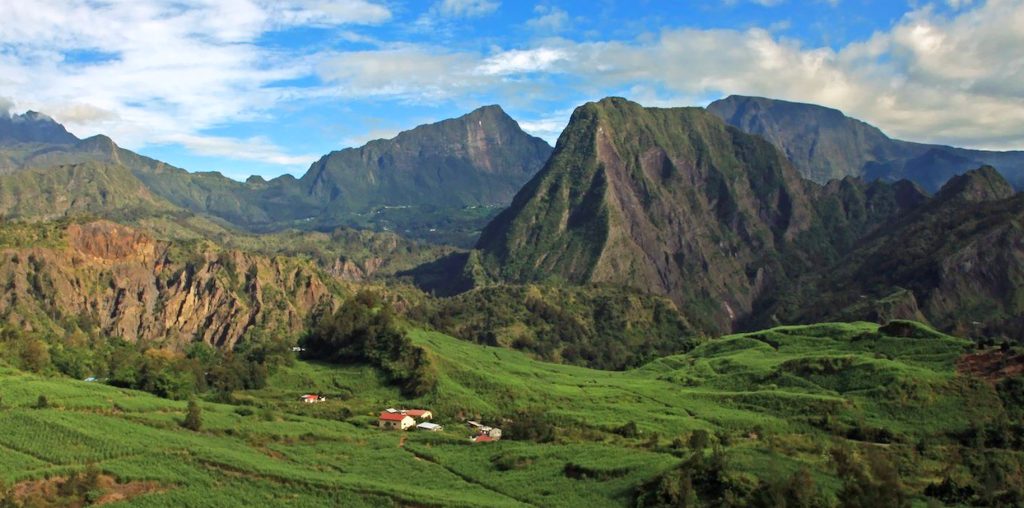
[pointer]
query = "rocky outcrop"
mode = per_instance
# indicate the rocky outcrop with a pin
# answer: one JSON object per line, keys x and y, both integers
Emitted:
{"x": 141, "y": 289}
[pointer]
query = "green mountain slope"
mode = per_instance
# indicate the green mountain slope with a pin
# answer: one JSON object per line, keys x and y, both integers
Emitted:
{"x": 824, "y": 144}
{"x": 675, "y": 202}
{"x": 956, "y": 261}
{"x": 769, "y": 404}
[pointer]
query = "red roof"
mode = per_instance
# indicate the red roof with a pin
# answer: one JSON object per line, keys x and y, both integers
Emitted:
{"x": 417, "y": 412}
{"x": 483, "y": 439}
{"x": 392, "y": 417}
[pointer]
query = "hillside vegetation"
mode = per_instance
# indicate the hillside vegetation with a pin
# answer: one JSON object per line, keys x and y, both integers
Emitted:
{"x": 741, "y": 419}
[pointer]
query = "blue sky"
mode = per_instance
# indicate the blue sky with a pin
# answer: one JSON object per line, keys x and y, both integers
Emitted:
{"x": 266, "y": 87}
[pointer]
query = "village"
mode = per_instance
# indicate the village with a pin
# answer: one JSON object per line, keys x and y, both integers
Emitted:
{"x": 392, "y": 419}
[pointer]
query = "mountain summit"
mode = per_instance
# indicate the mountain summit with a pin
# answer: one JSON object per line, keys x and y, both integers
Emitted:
{"x": 33, "y": 127}
{"x": 481, "y": 158}
{"x": 825, "y": 144}
{"x": 669, "y": 200}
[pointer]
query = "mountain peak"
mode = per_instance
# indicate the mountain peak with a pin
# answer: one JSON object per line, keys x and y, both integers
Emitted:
{"x": 33, "y": 127}
{"x": 982, "y": 184}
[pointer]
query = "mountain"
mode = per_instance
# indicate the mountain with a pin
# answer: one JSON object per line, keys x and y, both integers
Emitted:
{"x": 33, "y": 127}
{"x": 671, "y": 201}
{"x": 481, "y": 158}
{"x": 956, "y": 261}
{"x": 825, "y": 144}
{"x": 439, "y": 182}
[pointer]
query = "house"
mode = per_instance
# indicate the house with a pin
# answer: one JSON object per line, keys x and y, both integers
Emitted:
{"x": 312, "y": 399}
{"x": 483, "y": 439}
{"x": 420, "y": 414}
{"x": 491, "y": 432}
{"x": 431, "y": 427}
{"x": 395, "y": 421}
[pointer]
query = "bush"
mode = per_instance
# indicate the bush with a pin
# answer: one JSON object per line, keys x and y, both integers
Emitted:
{"x": 42, "y": 402}
{"x": 194, "y": 417}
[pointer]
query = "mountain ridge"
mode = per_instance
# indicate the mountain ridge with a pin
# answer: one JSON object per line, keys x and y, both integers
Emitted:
{"x": 826, "y": 144}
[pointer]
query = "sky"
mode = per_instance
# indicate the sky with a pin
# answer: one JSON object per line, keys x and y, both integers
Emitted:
{"x": 268, "y": 86}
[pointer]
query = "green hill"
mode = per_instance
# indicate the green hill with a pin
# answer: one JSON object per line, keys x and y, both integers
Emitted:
{"x": 769, "y": 403}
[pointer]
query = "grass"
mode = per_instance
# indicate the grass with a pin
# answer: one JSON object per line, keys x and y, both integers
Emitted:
{"x": 759, "y": 394}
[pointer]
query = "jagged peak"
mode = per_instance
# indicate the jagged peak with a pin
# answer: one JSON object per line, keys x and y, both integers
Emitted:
{"x": 982, "y": 184}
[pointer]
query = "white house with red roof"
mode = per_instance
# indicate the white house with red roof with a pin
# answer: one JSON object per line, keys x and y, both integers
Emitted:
{"x": 395, "y": 421}
{"x": 312, "y": 399}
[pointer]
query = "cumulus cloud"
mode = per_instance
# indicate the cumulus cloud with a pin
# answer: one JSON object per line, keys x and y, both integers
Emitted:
{"x": 166, "y": 71}
{"x": 6, "y": 105}
{"x": 521, "y": 61}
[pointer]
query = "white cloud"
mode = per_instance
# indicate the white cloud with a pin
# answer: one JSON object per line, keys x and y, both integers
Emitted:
{"x": 255, "y": 148}
{"x": 6, "y": 105}
{"x": 466, "y": 8}
{"x": 162, "y": 72}
{"x": 521, "y": 61}
{"x": 549, "y": 19}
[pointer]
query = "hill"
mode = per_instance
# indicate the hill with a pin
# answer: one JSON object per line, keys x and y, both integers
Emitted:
{"x": 722, "y": 418}
{"x": 825, "y": 144}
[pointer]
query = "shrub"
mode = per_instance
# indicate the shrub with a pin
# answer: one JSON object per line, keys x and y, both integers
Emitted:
{"x": 194, "y": 417}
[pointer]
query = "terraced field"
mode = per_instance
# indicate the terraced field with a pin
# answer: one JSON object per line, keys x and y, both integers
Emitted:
{"x": 773, "y": 402}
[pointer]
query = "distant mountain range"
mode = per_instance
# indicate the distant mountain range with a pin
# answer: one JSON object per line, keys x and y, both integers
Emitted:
{"x": 824, "y": 144}
{"x": 670, "y": 201}
{"x": 456, "y": 172}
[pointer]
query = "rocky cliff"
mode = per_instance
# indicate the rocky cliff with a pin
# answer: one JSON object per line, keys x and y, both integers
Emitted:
{"x": 138, "y": 288}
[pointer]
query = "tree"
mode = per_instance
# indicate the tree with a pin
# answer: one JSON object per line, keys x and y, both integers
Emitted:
{"x": 194, "y": 417}
{"x": 42, "y": 402}
{"x": 699, "y": 440}
{"x": 35, "y": 356}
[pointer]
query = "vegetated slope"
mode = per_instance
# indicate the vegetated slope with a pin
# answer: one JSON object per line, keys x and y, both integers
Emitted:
{"x": 771, "y": 403}
{"x": 825, "y": 144}
{"x": 957, "y": 261}
{"x": 605, "y": 327}
{"x": 84, "y": 188}
{"x": 127, "y": 284}
{"x": 675, "y": 202}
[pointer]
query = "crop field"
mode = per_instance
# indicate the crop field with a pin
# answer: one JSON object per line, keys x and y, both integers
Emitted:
{"x": 760, "y": 397}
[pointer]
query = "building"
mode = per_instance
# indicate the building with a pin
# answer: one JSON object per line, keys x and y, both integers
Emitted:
{"x": 395, "y": 421}
{"x": 491, "y": 432}
{"x": 483, "y": 439}
{"x": 312, "y": 399}
{"x": 419, "y": 414}
{"x": 431, "y": 427}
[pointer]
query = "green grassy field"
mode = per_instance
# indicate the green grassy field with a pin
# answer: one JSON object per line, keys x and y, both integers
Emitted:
{"x": 775, "y": 401}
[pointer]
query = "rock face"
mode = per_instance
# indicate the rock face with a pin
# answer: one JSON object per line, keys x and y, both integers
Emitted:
{"x": 672, "y": 201}
{"x": 139, "y": 288}
{"x": 825, "y": 144}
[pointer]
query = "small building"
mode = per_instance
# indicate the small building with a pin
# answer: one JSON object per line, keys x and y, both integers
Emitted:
{"x": 430, "y": 427}
{"x": 491, "y": 432}
{"x": 312, "y": 399}
{"x": 420, "y": 414}
{"x": 395, "y": 421}
{"x": 483, "y": 439}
